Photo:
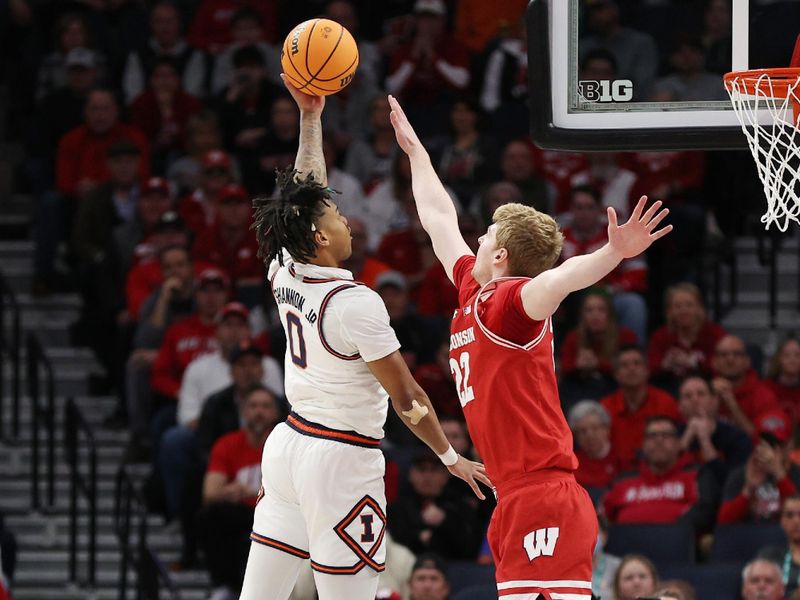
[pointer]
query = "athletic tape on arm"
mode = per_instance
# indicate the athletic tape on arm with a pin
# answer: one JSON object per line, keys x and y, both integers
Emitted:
{"x": 416, "y": 413}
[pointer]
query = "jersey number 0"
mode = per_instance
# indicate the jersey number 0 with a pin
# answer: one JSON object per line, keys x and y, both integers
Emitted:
{"x": 297, "y": 345}
{"x": 460, "y": 370}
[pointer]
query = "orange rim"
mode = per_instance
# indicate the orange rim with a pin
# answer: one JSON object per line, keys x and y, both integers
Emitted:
{"x": 754, "y": 81}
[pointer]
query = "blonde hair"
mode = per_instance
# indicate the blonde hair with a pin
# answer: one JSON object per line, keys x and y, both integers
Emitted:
{"x": 532, "y": 239}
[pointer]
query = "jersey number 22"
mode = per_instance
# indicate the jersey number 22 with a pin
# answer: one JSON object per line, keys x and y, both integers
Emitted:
{"x": 460, "y": 370}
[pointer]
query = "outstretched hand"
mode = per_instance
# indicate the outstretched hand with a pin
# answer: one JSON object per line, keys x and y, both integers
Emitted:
{"x": 406, "y": 136}
{"x": 305, "y": 102}
{"x": 471, "y": 471}
{"x": 635, "y": 236}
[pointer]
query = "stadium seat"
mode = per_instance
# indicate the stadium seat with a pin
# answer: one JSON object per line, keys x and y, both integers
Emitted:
{"x": 663, "y": 544}
{"x": 738, "y": 543}
{"x": 477, "y": 592}
{"x": 709, "y": 581}
{"x": 462, "y": 575}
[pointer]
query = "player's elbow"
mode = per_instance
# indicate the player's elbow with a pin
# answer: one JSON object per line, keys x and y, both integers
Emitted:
{"x": 404, "y": 397}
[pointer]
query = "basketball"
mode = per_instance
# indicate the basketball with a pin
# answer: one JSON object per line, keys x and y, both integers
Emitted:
{"x": 319, "y": 57}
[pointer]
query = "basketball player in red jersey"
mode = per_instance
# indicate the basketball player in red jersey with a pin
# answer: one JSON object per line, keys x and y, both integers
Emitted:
{"x": 544, "y": 528}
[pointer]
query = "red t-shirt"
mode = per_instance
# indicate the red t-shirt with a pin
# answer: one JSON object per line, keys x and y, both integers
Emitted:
{"x": 627, "y": 429}
{"x": 702, "y": 349}
{"x": 400, "y": 251}
{"x": 211, "y": 26}
{"x": 239, "y": 261}
{"x": 234, "y": 457}
{"x": 437, "y": 296}
{"x": 628, "y": 276}
{"x": 788, "y": 398}
{"x": 184, "y": 341}
{"x": 505, "y": 377}
{"x": 144, "y": 279}
{"x": 197, "y": 211}
{"x": 597, "y": 472}
{"x": 753, "y": 397}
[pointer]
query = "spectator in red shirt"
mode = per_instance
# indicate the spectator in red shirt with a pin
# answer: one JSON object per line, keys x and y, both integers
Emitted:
{"x": 425, "y": 71}
{"x": 711, "y": 441}
{"x": 190, "y": 337}
{"x": 211, "y": 26}
{"x": 783, "y": 377}
{"x": 633, "y": 404}
{"x": 744, "y": 397}
{"x": 198, "y": 209}
{"x": 587, "y": 350}
{"x": 365, "y": 268}
{"x": 663, "y": 491}
{"x": 756, "y": 490}
{"x": 229, "y": 243}
{"x": 685, "y": 344}
{"x": 598, "y": 465}
{"x": 585, "y": 233}
{"x": 231, "y": 488}
{"x": 81, "y": 167}
{"x": 162, "y": 110}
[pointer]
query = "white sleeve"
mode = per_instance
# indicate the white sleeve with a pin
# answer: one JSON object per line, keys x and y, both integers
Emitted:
{"x": 273, "y": 376}
{"x": 274, "y": 265}
{"x": 190, "y": 395}
{"x": 364, "y": 324}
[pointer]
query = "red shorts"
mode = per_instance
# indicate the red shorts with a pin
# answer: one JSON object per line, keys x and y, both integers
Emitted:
{"x": 542, "y": 535}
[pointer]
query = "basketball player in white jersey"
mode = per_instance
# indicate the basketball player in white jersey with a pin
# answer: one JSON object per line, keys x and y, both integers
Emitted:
{"x": 322, "y": 471}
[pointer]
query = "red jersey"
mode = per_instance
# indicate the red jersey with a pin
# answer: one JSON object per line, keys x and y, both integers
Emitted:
{"x": 503, "y": 365}
{"x": 184, "y": 341}
{"x": 233, "y": 456}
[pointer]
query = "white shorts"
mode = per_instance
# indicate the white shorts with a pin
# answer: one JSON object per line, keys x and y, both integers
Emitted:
{"x": 323, "y": 497}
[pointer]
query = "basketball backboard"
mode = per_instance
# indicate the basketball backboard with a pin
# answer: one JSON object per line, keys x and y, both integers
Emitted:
{"x": 655, "y": 84}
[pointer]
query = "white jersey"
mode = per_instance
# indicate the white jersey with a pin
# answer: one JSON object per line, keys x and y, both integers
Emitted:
{"x": 333, "y": 327}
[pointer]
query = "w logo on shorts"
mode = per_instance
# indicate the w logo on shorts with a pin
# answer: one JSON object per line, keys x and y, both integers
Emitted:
{"x": 541, "y": 542}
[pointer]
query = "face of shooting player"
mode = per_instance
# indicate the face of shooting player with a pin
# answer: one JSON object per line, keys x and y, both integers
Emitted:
{"x": 333, "y": 233}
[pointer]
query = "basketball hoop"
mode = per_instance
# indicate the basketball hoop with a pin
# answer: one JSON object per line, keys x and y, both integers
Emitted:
{"x": 774, "y": 141}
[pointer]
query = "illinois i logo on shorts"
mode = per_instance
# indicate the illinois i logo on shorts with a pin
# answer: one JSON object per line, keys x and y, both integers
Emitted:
{"x": 541, "y": 542}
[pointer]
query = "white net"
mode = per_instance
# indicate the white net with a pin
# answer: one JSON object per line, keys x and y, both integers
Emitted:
{"x": 768, "y": 107}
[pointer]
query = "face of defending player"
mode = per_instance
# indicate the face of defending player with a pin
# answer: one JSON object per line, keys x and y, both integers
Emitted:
{"x": 332, "y": 237}
{"x": 428, "y": 584}
{"x": 490, "y": 261}
{"x": 635, "y": 580}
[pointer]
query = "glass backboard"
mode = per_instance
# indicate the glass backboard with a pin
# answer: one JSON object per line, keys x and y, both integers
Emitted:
{"x": 647, "y": 74}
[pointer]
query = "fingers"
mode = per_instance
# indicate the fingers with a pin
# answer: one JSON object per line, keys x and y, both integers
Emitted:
{"x": 651, "y": 211}
{"x": 637, "y": 212}
{"x": 612, "y": 217}
{"x": 395, "y": 105}
{"x": 659, "y": 217}
{"x": 660, "y": 233}
{"x": 484, "y": 479}
{"x": 475, "y": 488}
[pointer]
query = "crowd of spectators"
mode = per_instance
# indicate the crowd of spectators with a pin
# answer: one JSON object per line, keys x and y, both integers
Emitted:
{"x": 148, "y": 126}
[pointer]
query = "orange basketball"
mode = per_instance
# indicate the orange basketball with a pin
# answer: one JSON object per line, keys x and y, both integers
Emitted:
{"x": 319, "y": 57}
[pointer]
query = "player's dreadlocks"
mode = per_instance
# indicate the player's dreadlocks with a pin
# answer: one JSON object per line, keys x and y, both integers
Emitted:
{"x": 288, "y": 221}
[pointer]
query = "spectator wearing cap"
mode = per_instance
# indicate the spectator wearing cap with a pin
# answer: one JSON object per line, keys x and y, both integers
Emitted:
{"x": 191, "y": 337}
{"x": 429, "y": 69}
{"x": 635, "y": 52}
{"x": 203, "y": 134}
{"x": 598, "y": 464}
{"x": 744, "y": 398}
{"x": 80, "y": 168}
{"x": 428, "y": 579}
{"x": 633, "y": 404}
{"x": 664, "y": 490}
{"x": 707, "y": 438}
{"x": 247, "y": 29}
{"x": 211, "y": 372}
{"x": 755, "y": 491}
{"x": 165, "y": 41}
{"x": 229, "y": 243}
{"x": 244, "y": 106}
{"x": 365, "y": 268}
{"x": 277, "y": 149}
{"x": 198, "y": 209}
{"x": 430, "y": 516}
{"x": 417, "y": 340}
{"x": 162, "y": 110}
{"x": 131, "y": 240}
{"x": 788, "y": 555}
{"x": 230, "y": 490}
{"x": 211, "y": 27}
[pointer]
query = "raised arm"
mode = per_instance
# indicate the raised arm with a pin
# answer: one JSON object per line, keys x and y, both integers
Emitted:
{"x": 310, "y": 159}
{"x": 542, "y": 294}
{"x": 434, "y": 205}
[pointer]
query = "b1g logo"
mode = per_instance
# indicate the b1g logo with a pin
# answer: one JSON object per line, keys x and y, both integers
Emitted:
{"x": 619, "y": 90}
{"x": 541, "y": 542}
